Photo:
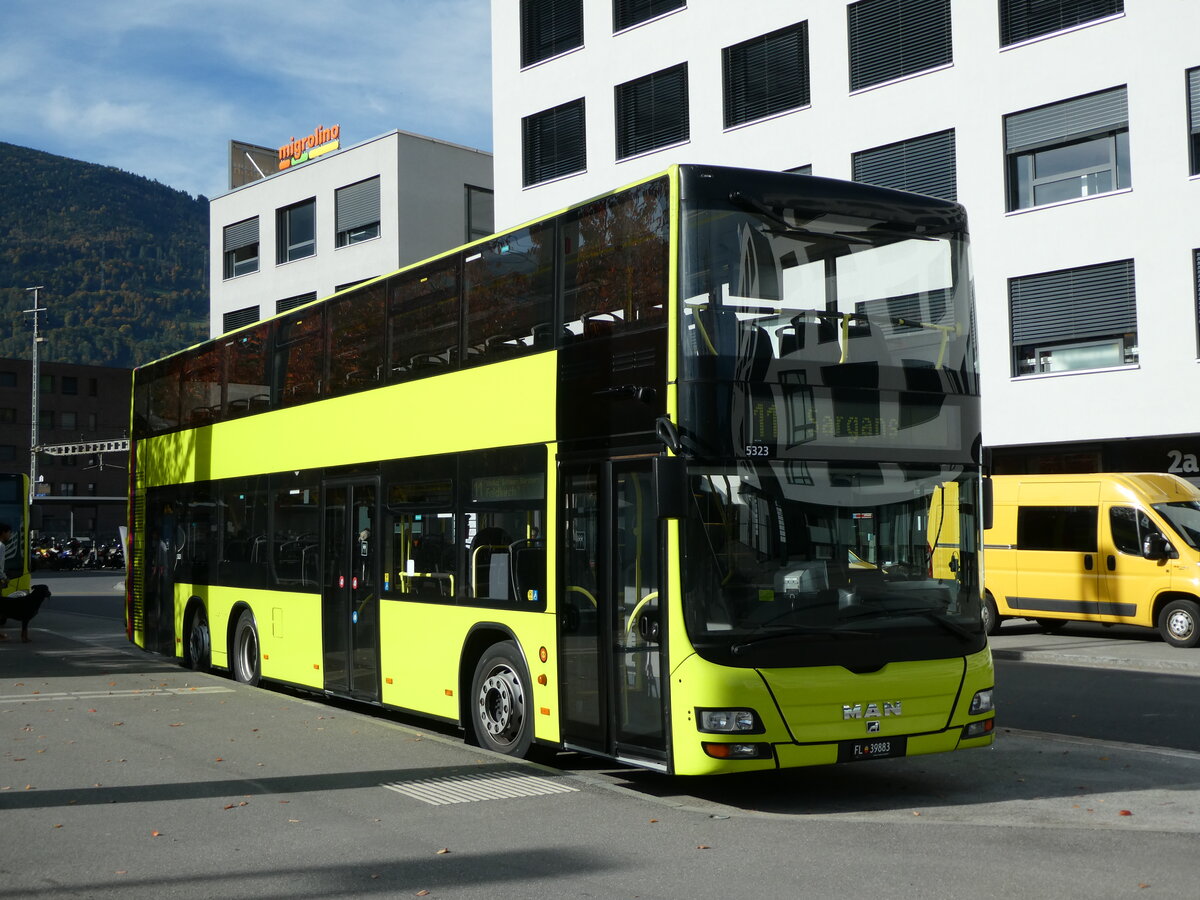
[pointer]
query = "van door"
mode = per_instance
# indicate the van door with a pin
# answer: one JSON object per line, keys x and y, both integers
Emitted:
{"x": 1058, "y": 568}
{"x": 1130, "y": 580}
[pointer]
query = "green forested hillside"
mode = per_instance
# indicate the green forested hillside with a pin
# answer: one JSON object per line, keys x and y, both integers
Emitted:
{"x": 121, "y": 258}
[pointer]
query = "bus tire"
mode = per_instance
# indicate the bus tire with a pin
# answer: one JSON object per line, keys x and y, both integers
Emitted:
{"x": 502, "y": 702}
{"x": 246, "y": 657}
{"x": 991, "y": 616}
{"x": 197, "y": 649}
{"x": 1179, "y": 623}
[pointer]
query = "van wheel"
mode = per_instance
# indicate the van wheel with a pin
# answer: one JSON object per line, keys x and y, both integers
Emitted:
{"x": 1051, "y": 624}
{"x": 1179, "y": 623}
{"x": 990, "y": 616}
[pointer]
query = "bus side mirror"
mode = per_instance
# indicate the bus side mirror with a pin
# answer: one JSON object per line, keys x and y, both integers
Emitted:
{"x": 988, "y": 504}
{"x": 670, "y": 486}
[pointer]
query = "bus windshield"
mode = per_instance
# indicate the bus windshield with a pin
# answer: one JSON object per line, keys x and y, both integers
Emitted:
{"x": 839, "y": 325}
{"x": 791, "y": 562}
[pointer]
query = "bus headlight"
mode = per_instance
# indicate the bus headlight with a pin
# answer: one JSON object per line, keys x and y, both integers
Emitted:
{"x": 728, "y": 721}
{"x": 982, "y": 702}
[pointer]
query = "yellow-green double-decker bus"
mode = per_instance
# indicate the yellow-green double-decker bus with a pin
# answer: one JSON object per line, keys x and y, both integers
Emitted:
{"x": 649, "y": 478}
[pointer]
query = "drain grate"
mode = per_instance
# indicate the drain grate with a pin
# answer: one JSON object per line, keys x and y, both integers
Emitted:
{"x": 470, "y": 789}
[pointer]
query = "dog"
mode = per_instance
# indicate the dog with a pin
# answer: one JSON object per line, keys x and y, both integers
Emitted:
{"x": 23, "y": 606}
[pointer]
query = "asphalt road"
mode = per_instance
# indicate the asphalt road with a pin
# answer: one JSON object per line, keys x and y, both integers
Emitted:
{"x": 123, "y": 775}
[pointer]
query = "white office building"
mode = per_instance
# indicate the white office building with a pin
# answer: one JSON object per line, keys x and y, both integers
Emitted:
{"x": 1070, "y": 130}
{"x": 345, "y": 216}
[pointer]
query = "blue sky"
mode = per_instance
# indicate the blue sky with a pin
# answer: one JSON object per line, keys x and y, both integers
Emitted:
{"x": 160, "y": 87}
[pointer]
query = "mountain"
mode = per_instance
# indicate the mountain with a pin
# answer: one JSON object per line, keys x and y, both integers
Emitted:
{"x": 121, "y": 260}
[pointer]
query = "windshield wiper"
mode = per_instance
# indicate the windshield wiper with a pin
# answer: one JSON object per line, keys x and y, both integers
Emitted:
{"x": 924, "y": 612}
{"x": 800, "y": 631}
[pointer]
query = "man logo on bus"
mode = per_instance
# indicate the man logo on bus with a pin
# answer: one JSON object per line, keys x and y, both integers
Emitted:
{"x": 871, "y": 711}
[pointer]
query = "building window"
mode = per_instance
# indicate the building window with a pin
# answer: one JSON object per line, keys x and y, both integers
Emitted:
{"x": 1196, "y": 269}
{"x": 766, "y": 75}
{"x": 239, "y": 317}
{"x": 923, "y": 165}
{"x": 8, "y": 452}
{"x": 1067, "y": 150}
{"x": 552, "y": 143}
{"x": 481, "y": 212}
{"x": 45, "y": 418}
{"x": 68, "y": 420}
{"x": 46, "y": 384}
{"x": 66, "y": 489}
{"x": 548, "y": 28}
{"x": 296, "y": 231}
{"x": 292, "y": 302}
{"x": 92, "y": 489}
{"x": 70, "y": 385}
{"x": 356, "y": 209}
{"x": 1074, "y": 319}
{"x": 805, "y": 169}
{"x": 241, "y": 248}
{"x": 8, "y": 379}
{"x": 1022, "y": 20}
{"x": 890, "y": 39}
{"x": 93, "y": 387}
{"x": 8, "y": 416}
{"x": 627, "y": 13}
{"x": 91, "y": 421}
{"x": 1193, "y": 76}
{"x": 652, "y": 111}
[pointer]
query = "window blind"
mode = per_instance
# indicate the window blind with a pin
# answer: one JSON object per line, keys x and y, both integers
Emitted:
{"x": 1072, "y": 304}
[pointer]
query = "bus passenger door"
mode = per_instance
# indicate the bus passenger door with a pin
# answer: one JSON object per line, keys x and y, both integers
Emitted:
{"x": 612, "y": 630}
{"x": 350, "y": 589}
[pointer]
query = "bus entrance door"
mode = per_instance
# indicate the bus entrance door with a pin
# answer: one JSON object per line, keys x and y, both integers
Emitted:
{"x": 612, "y": 631}
{"x": 350, "y": 595}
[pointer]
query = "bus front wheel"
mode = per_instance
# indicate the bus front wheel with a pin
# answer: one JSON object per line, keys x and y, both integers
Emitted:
{"x": 246, "y": 656}
{"x": 1179, "y": 623}
{"x": 501, "y": 701}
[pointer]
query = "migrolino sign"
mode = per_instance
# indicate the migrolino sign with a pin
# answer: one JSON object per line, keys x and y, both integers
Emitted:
{"x": 299, "y": 150}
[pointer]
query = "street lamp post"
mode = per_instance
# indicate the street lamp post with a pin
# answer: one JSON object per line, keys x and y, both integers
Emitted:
{"x": 33, "y": 421}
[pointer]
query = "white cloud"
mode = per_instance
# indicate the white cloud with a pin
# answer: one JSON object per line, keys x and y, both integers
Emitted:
{"x": 159, "y": 88}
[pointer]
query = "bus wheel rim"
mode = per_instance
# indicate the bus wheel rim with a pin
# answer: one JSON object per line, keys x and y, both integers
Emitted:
{"x": 501, "y": 706}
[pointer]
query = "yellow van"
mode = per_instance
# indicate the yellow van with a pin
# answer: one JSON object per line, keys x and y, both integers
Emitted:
{"x": 1099, "y": 548}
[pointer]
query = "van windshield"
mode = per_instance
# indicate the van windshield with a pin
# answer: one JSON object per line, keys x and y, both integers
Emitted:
{"x": 1184, "y": 518}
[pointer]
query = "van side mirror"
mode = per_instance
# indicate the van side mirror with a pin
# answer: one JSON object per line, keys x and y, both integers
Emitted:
{"x": 1155, "y": 546}
{"x": 988, "y": 500}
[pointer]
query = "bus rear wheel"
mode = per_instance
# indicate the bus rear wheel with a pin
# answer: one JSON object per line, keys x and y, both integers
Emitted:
{"x": 1179, "y": 623}
{"x": 501, "y": 702}
{"x": 197, "y": 651}
{"x": 246, "y": 656}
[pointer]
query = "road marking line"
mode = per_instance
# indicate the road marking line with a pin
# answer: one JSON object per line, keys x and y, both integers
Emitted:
{"x": 471, "y": 789}
{"x": 116, "y": 695}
